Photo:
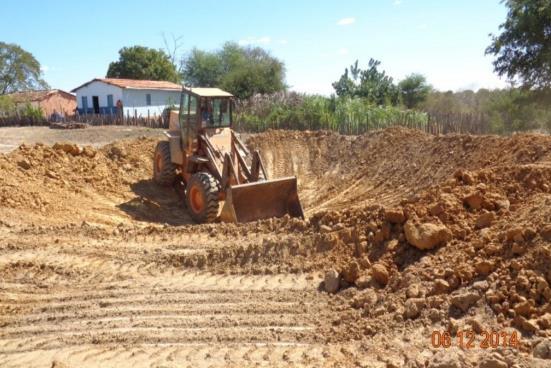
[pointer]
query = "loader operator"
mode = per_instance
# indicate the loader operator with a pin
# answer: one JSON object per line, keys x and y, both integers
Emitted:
{"x": 207, "y": 117}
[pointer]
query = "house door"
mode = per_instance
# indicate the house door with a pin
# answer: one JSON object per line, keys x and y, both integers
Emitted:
{"x": 95, "y": 102}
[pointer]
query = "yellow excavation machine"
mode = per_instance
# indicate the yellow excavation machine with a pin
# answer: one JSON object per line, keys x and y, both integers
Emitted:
{"x": 204, "y": 155}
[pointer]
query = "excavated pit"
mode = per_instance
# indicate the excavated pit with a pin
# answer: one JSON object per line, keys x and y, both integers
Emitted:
{"x": 423, "y": 232}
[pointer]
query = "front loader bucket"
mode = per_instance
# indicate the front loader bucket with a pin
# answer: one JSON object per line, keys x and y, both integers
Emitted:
{"x": 262, "y": 200}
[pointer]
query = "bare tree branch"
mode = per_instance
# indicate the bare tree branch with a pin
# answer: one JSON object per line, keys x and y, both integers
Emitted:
{"x": 172, "y": 49}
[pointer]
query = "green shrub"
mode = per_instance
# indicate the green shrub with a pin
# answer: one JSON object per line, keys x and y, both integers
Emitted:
{"x": 7, "y": 106}
{"x": 32, "y": 113}
{"x": 310, "y": 112}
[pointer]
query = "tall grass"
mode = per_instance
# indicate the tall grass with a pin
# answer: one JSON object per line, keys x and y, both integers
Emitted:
{"x": 304, "y": 112}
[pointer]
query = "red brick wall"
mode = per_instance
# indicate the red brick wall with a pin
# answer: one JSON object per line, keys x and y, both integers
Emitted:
{"x": 60, "y": 103}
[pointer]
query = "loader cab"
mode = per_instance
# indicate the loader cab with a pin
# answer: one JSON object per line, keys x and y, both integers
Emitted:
{"x": 203, "y": 110}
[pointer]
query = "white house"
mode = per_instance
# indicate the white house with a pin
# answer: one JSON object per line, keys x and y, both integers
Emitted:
{"x": 140, "y": 98}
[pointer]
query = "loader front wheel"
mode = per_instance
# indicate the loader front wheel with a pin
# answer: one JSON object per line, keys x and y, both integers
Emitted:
{"x": 202, "y": 197}
{"x": 164, "y": 171}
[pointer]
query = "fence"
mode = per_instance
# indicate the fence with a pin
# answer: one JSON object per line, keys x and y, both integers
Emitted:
{"x": 6, "y": 121}
{"x": 446, "y": 123}
{"x": 434, "y": 123}
{"x": 158, "y": 121}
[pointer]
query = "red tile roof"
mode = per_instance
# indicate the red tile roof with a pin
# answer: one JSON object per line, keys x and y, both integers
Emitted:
{"x": 135, "y": 84}
{"x": 32, "y": 96}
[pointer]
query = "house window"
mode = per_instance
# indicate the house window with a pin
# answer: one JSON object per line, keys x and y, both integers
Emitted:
{"x": 148, "y": 99}
{"x": 109, "y": 100}
{"x": 85, "y": 104}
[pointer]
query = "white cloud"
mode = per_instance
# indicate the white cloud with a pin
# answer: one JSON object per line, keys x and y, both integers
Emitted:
{"x": 423, "y": 26}
{"x": 397, "y": 2}
{"x": 343, "y": 51}
{"x": 255, "y": 41}
{"x": 283, "y": 42}
{"x": 346, "y": 21}
{"x": 44, "y": 68}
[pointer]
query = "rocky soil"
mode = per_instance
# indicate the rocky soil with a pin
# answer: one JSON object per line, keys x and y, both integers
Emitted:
{"x": 407, "y": 235}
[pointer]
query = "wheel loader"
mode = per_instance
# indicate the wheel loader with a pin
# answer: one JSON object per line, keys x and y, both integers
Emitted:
{"x": 204, "y": 156}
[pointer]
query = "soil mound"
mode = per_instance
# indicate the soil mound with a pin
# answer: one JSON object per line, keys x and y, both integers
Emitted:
{"x": 406, "y": 234}
{"x": 334, "y": 171}
{"x": 383, "y": 167}
{"x": 66, "y": 179}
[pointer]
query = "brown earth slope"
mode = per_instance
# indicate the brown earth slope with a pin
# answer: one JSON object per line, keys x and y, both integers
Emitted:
{"x": 100, "y": 267}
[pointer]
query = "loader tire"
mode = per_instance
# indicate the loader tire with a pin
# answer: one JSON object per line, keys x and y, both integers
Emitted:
{"x": 164, "y": 171}
{"x": 202, "y": 197}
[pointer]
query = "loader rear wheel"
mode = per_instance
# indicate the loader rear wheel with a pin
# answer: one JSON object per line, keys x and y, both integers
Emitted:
{"x": 202, "y": 197}
{"x": 164, "y": 171}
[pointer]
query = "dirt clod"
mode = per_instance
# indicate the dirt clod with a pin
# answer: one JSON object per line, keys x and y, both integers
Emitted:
{"x": 331, "y": 281}
{"x": 426, "y": 235}
{"x": 546, "y": 233}
{"x": 365, "y": 299}
{"x": 543, "y": 349}
{"x": 395, "y": 216}
{"x": 413, "y": 307}
{"x": 464, "y": 300}
{"x": 446, "y": 359}
{"x": 493, "y": 361}
{"x": 380, "y": 274}
{"x": 485, "y": 220}
{"x": 351, "y": 272}
{"x": 69, "y": 148}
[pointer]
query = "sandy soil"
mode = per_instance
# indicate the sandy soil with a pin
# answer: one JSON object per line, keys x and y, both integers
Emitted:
{"x": 11, "y": 138}
{"x": 99, "y": 267}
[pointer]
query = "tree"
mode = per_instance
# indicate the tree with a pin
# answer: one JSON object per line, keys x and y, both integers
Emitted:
{"x": 7, "y": 106}
{"x": 251, "y": 70}
{"x": 355, "y": 71}
{"x": 243, "y": 71}
{"x": 414, "y": 90}
{"x": 345, "y": 87}
{"x": 443, "y": 103}
{"x": 523, "y": 49}
{"x": 172, "y": 49}
{"x": 374, "y": 85}
{"x": 202, "y": 68}
{"x": 502, "y": 110}
{"x": 19, "y": 70}
{"x": 139, "y": 62}
{"x": 512, "y": 110}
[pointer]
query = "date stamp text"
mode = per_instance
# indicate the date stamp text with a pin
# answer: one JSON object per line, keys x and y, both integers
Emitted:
{"x": 468, "y": 339}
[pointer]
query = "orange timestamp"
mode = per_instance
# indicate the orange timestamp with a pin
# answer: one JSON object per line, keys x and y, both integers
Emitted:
{"x": 468, "y": 339}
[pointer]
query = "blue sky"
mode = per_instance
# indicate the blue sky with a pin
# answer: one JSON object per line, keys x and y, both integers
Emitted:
{"x": 442, "y": 39}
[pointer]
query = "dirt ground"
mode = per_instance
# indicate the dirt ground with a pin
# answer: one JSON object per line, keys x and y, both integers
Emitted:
{"x": 11, "y": 138}
{"x": 407, "y": 236}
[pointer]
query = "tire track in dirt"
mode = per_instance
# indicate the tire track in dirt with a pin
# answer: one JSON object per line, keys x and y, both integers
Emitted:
{"x": 91, "y": 276}
{"x": 81, "y": 294}
{"x": 188, "y": 355}
{"x": 193, "y": 315}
